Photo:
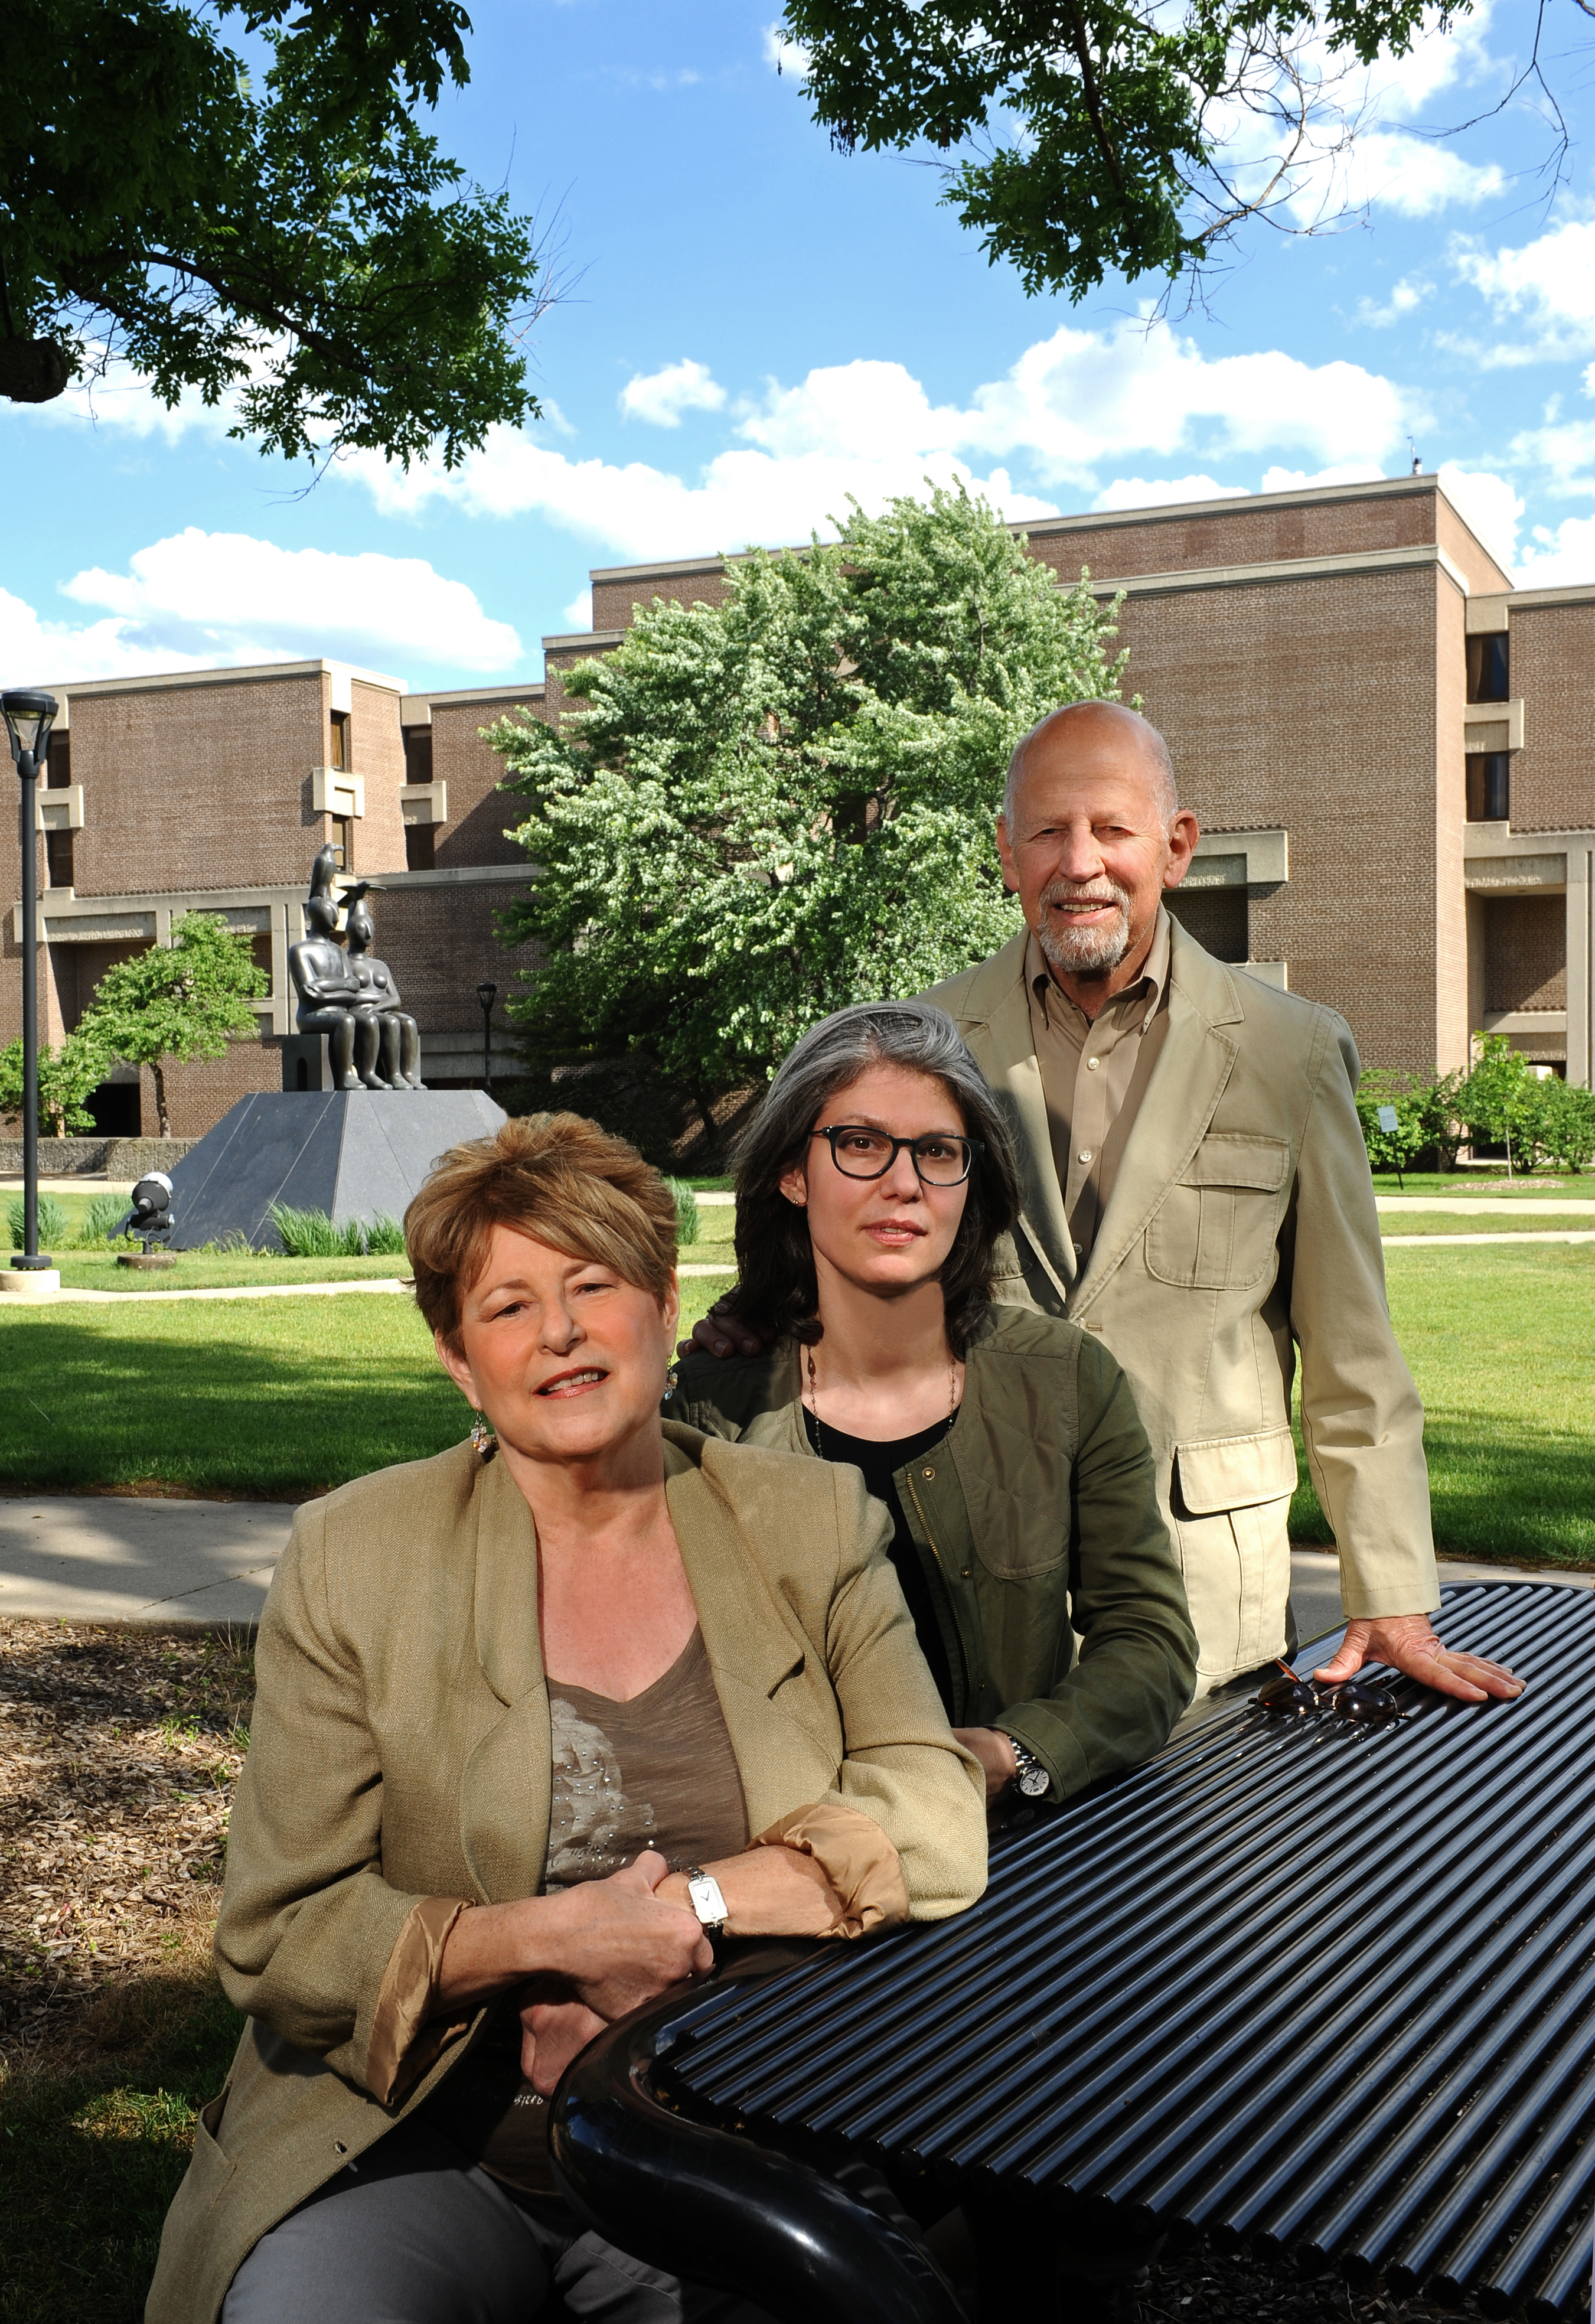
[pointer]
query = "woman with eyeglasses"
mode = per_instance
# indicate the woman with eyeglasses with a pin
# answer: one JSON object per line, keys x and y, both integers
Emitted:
{"x": 872, "y": 1190}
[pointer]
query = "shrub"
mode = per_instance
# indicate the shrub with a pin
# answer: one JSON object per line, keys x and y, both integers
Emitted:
{"x": 52, "y": 1223}
{"x": 103, "y": 1221}
{"x": 687, "y": 1211}
{"x": 1561, "y": 1121}
{"x": 311, "y": 1234}
{"x": 1391, "y": 1149}
{"x": 307, "y": 1234}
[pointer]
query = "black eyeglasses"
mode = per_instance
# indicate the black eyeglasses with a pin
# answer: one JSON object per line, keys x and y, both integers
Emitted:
{"x": 938, "y": 1160}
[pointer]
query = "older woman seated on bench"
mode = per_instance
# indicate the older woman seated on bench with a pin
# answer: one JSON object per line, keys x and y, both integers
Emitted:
{"x": 514, "y": 1704}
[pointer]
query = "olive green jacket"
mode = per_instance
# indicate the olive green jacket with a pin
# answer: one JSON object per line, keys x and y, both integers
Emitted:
{"x": 1038, "y": 1518}
{"x": 401, "y": 1750}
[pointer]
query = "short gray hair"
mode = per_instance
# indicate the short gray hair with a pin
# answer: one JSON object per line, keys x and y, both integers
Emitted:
{"x": 1155, "y": 749}
{"x": 776, "y": 1284}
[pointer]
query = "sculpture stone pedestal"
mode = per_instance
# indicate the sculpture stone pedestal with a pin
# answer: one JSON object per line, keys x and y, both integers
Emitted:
{"x": 355, "y": 1154}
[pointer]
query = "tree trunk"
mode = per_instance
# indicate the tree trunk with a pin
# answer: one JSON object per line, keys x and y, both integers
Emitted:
{"x": 163, "y": 1128}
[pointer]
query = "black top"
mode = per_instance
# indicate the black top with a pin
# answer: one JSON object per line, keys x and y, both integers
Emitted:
{"x": 878, "y": 1464}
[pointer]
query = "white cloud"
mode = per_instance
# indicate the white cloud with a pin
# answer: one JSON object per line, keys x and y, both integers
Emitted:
{"x": 1489, "y": 505}
{"x": 44, "y": 653}
{"x": 578, "y": 614}
{"x": 1404, "y": 299}
{"x": 1085, "y": 396}
{"x": 1556, "y": 558}
{"x": 784, "y": 54}
{"x": 1299, "y": 480}
{"x": 662, "y": 396}
{"x": 1388, "y": 169}
{"x": 1073, "y": 403}
{"x": 640, "y": 512}
{"x": 1567, "y": 450}
{"x": 197, "y": 598}
{"x": 1550, "y": 282}
{"x": 1163, "y": 492}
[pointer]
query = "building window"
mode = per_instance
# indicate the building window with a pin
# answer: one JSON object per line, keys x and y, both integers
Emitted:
{"x": 57, "y": 858}
{"x": 337, "y": 749}
{"x": 1220, "y": 918}
{"x": 343, "y": 842}
{"x": 1489, "y": 784}
{"x": 420, "y": 852}
{"x": 418, "y": 754}
{"x": 1490, "y": 667}
{"x": 57, "y": 766}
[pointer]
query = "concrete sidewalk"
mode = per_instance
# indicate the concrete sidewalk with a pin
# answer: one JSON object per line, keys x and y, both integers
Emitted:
{"x": 114, "y": 1558}
{"x": 110, "y": 1558}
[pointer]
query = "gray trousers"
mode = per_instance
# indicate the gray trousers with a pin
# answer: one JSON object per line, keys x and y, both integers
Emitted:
{"x": 415, "y": 2233}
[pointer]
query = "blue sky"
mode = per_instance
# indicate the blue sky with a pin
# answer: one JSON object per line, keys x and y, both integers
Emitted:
{"x": 761, "y": 326}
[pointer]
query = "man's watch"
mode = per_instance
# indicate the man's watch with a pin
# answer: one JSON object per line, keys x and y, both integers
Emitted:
{"x": 1030, "y": 1777}
{"x": 709, "y": 1902}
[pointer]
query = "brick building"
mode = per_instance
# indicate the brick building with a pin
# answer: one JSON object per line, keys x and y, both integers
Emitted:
{"x": 1388, "y": 748}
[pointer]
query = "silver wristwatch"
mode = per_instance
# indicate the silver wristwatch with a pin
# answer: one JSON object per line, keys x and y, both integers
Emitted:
{"x": 709, "y": 1902}
{"x": 1030, "y": 1777}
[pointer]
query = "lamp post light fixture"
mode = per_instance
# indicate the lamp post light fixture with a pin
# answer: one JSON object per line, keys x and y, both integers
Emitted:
{"x": 487, "y": 995}
{"x": 29, "y": 717}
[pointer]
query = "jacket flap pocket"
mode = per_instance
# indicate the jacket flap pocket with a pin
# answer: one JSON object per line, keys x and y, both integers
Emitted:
{"x": 1227, "y": 1159}
{"x": 1235, "y": 1472}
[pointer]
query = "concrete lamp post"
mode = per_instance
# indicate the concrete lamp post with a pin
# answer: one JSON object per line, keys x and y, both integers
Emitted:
{"x": 29, "y": 717}
{"x": 487, "y": 995}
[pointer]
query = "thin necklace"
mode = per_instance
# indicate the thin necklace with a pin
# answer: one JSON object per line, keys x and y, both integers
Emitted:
{"x": 813, "y": 1404}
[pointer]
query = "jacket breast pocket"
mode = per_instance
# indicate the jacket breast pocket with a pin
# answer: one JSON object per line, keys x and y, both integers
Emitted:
{"x": 1216, "y": 1227}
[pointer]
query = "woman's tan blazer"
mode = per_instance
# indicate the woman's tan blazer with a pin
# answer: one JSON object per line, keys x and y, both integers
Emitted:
{"x": 400, "y": 1750}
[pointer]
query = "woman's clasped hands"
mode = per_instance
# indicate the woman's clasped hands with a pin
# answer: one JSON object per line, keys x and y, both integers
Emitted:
{"x": 606, "y": 1947}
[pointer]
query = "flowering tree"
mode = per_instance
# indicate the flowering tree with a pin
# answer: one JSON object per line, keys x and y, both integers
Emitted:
{"x": 768, "y": 808}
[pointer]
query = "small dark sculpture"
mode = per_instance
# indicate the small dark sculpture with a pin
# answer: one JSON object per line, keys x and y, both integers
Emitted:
{"x": 351, "y": 998}
{"x": 388, "y": 1042}
{"x": 151, "y": 1209}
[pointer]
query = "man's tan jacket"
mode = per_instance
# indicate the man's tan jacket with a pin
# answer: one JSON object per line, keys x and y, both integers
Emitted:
{"x": 400, "y": 1750}
{"x": 1241, "y": 1226}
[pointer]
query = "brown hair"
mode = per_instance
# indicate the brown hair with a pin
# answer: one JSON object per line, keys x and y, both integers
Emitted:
{"x": 559, "y": 1178}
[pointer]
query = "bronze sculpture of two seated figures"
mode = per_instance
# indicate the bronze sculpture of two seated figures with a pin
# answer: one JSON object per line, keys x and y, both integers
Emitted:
{"x": 350, "y": 995}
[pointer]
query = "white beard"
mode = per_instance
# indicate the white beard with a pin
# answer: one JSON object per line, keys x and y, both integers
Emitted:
{"x": 1088, "y": 950}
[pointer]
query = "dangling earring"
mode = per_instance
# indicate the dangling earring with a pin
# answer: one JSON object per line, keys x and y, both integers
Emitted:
{"x": 483, "y": 1439}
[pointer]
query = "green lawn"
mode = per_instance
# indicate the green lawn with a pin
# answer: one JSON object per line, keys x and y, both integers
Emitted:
{"x": 93, "y": 2153}
{"x": 285, "y": 1396}
{"x": 1500, "y": 1343}
{"x": 1523, "y": 1218}
{"x": 1578, "y": 1183}
{"x": 269, "y": 1398}
{"x": 204, "y": 1270}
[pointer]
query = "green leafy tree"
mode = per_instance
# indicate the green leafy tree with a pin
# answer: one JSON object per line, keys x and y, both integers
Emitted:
{"x": 305, "y": 247}
{"x": 1106, "y": 135}
{"x": 1498, "y": 1099}
{"x": 67, "y": 1076}
{"x": 180, "y": 1002}
{"x": 770, "y": 807}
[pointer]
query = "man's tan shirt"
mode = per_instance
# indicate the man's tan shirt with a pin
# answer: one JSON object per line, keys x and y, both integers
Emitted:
{"x": 1093, "y": 1073}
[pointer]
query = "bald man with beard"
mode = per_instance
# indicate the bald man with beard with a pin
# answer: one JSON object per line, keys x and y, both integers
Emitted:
{"x": 1197, "y": 1194}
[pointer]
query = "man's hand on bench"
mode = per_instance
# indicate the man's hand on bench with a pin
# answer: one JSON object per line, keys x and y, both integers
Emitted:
{"x": 1408, "y": 1641}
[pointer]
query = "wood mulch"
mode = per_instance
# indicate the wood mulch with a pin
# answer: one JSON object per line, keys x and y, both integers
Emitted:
{"x": 118, "y": 1753}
